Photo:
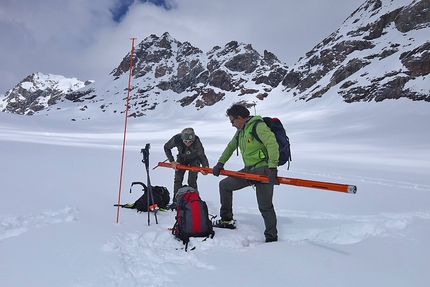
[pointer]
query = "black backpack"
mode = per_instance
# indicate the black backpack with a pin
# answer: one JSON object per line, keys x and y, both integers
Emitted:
{"x": 192, "y": 216}
{"x": 160, "y": 194}
{"x": 277, "y": 128}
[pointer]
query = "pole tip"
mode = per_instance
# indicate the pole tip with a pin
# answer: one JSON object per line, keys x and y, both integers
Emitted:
{"x": 352, "y": 189}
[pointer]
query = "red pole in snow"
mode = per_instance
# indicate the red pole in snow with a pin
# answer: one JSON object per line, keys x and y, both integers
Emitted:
{"x": 125, "y": 128}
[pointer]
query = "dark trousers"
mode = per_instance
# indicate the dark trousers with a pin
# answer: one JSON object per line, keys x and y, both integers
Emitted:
{"x": 264, "y": 193}
{"x": 179, "y": 177}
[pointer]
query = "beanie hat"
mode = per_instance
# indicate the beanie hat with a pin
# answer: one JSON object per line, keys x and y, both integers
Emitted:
{"x": 188, "y": 134}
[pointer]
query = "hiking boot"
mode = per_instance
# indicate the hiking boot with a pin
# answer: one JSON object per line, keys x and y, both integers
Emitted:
{"x": 271, "y": 239}
{"x": 230, "y": 224}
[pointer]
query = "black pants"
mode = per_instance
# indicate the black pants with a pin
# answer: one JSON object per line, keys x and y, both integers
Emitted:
{"x": 264, "y": 193}
{"x": 179, "y": 176}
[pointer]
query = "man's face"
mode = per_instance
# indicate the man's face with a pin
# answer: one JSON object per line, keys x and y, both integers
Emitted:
{"x": 237, "y": 122}
{"x": 188, "y": 143}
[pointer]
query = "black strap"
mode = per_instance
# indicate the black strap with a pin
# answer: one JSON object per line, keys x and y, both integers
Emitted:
{"x": 237, "y": 143}
{"x": 254, "y": 130}
{"x": 144, "y": 188}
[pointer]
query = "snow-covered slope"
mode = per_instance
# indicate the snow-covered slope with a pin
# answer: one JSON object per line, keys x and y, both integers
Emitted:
{"x": 60, "y": 178}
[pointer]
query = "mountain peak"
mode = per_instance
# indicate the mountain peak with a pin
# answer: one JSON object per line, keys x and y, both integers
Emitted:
{"x": 374, "y": 55}
{"x": 380, "y": 52}
{"x": 37, "y": 92}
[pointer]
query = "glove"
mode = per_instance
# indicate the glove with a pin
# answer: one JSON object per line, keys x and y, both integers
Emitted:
{"x": 273, "y": 176}
{"x": 217, "y": 168}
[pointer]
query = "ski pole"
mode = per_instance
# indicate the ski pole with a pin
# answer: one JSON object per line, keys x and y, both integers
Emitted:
{"x": 346, "y": 188}
{"x": 150, "y": 197}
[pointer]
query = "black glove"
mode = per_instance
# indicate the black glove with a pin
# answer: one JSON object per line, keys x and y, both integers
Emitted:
{"x": 273, "y": 176}
{"x": 217, "y": 168}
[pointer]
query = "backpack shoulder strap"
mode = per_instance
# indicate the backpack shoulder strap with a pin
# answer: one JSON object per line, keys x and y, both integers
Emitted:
{"x": 237, "y": 143}
{"x": 254, "y": 130}
{"x": 144, "y": 188}
{"x": 253, "y": 133}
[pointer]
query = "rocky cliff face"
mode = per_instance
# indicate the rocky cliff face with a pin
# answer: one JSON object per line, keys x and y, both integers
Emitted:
{"x": 165, "y": 69}
{"x": 163, "y": 66}
{"x": 380, "y": 52}
{"x": 37, "y": 92}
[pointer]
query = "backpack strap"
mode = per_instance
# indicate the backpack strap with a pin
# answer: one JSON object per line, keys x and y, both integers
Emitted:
{"x": 255, "y": 135}
{"x": 254, "y": 130}
{"x": 237, "y": 143}
{"x": 144, "y": 188}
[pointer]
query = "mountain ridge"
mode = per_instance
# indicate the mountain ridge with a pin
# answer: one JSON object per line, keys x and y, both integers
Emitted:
{"x": 380, "y": 52}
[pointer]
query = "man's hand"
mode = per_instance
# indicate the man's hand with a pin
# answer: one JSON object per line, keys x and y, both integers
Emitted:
{"x": 273, "y": 176}
{"x": 204, "y": 172}
{"x": 174, "y": 164}
{"x": 217, "y": 168}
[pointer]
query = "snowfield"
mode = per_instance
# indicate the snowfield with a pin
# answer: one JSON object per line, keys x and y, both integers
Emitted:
{"x": 60, "y": 179}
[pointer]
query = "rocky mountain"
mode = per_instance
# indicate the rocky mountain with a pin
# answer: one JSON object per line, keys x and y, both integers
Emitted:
{"x": 165, "y": 69}
{"x": 38, "y": 91}
{"x": 381, "y": 51}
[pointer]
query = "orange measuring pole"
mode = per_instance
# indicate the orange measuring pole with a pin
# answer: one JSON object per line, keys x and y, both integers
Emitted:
{"x": 346, "y": 188}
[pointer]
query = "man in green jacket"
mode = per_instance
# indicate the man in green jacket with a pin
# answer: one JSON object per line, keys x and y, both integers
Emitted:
{"x": 259, "y": 158}
{"x": 190, "y": 152}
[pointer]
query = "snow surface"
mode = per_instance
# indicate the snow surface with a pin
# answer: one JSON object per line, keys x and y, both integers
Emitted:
{"x": 60, "y": 179}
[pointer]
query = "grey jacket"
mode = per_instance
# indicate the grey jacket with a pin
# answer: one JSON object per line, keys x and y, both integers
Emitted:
{"x": 186, "y": 154}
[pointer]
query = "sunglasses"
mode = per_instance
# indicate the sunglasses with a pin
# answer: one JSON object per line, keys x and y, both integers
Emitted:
{"x": 187, "y": 142}
{"x": 232, "y": 120}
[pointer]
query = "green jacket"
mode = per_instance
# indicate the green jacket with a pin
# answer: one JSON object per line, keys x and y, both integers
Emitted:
{"x": 254, "y": 153}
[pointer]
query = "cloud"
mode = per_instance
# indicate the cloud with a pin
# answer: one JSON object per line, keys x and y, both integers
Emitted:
{"x": 121, "y": 8}
{"x": 88, "y": 39}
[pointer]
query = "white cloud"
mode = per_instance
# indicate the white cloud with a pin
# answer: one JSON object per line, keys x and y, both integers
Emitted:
{"x": 80, "y": 39}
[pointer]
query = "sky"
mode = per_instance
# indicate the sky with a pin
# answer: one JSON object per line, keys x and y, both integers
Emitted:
{"x": 88, "y": 39}
{"x": 60, "y": 178}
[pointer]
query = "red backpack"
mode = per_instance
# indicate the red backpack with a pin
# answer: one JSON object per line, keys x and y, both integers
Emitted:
{"x": 192, "y": 216}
